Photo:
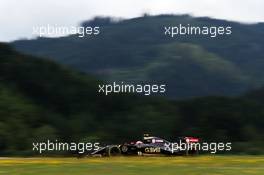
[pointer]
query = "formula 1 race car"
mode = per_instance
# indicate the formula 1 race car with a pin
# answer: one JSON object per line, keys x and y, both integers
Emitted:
{"x": 150, "y": 145}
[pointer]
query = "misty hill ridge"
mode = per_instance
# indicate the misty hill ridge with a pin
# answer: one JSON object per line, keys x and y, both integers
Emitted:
{"x": 136, "y": 50}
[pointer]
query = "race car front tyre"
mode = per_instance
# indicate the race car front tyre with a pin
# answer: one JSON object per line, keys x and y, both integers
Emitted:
{"x": 113, "y": 151}
{"x": 124, "y": 149}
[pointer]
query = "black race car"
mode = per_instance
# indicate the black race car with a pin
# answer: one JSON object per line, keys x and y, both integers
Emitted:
{"x": 150, "y": 145}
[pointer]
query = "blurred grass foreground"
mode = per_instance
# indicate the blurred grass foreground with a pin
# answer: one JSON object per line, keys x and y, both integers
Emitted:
{"x": 217, "y": 165}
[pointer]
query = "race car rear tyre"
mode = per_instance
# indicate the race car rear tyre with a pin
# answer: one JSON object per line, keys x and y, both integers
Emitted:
{"x": 113, "y": 151}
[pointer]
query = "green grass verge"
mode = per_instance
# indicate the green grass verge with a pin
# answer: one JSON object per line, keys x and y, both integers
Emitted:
{"x": 200, "y": 165}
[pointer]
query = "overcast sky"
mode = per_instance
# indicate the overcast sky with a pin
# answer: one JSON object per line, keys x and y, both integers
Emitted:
{"x": 17, "y": 17}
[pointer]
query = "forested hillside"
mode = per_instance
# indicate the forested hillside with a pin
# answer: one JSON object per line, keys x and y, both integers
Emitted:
{"x": 41, "y": 100}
